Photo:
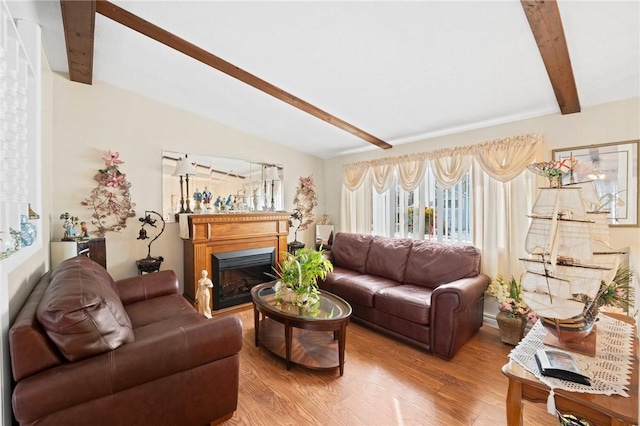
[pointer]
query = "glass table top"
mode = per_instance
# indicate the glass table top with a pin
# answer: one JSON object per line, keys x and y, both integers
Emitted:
{"x": 330, "y": 307}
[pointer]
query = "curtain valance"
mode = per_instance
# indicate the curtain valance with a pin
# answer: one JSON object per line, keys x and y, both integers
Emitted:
{"x": 502, "y": 159}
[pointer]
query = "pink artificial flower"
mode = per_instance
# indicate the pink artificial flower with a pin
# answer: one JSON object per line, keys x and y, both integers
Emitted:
{"x": 619, "y": 292}
{"x": 111, "y": 159}
{"x": 115, "y": 180}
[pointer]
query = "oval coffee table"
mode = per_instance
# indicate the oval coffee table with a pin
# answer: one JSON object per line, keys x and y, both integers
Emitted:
{"x": 300, "y": 337}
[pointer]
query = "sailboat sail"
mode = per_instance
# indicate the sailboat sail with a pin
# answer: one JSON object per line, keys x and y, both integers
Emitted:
{"x": 570, "y": 257}
{"x": 537, "y": 283}
{"x": 600, "y": 231}
{"x": 573, "y": 241}
{"x": 568, "y": 198}
{"x": 542, "y": 305}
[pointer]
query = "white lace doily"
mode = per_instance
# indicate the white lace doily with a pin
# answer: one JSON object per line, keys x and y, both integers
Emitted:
{"x": 609, "y": 370}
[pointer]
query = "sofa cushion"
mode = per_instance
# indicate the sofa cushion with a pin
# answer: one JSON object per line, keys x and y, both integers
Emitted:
{"x": 157, "y": 309}
{"x": 361, "y": 289}
{"x": 431, "y": 264}
{"x": 81, "y": 312}
{"x": 351, "y": 250}
{"x": 388, "y": 257}
{"x": 410, "y": 302}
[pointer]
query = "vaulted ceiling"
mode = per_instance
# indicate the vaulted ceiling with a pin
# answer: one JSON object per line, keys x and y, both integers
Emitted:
{"x": 332, "y": 78}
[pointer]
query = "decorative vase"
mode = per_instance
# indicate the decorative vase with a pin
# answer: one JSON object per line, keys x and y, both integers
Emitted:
{"x": 554, "y": 181}
{"x": 28, "y": 231}
{"x": 7, "y": 244}
{"x": 511, "y": 327}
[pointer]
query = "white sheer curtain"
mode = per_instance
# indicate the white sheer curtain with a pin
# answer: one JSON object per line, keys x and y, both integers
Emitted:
{"x": 501, "y": 221}
{"x": 355, "y": 211}
{"x": 503, "y": 192}
{"x": 354, "y": 175}
{"x": 449, "y": 168}
{"x": 504, "y": 159}
{"x": 411, "y": 170}
{"x": 382, "y": 171}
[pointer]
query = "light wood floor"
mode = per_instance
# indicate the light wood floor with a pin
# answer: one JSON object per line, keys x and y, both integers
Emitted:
{"x": 385, "y": 382}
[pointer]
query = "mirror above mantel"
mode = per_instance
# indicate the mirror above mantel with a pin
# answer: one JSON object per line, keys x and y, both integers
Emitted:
{"x": 218, "y": 185}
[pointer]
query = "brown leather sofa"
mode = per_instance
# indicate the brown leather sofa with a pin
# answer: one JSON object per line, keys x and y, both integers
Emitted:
{"x": 88, "y": 350}
{"x": 426, "y": 293}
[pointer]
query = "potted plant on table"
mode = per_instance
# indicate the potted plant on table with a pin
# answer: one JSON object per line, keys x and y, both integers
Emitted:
{"x": 513, "y": 313}
{"x": 299, "y": 274}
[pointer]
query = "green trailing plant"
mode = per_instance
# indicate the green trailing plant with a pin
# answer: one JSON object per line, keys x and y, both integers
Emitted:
{"x": 618, "y": 295}
{"x": 299, "y": 275}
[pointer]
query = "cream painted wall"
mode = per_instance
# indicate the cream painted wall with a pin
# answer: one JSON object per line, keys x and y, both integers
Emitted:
{"x": 611, "y": 122}
{"x": 89, "y": 120}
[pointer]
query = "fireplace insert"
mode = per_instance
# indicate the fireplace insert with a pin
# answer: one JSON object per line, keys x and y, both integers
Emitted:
{"x": 236, "y": 272}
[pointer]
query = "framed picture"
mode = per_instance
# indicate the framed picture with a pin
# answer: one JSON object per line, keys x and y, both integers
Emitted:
{"x": 613, "y": 167}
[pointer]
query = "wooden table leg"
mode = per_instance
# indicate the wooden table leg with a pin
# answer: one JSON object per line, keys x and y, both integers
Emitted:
{"x": 256, "y": 323}
{"x": 288, "y": 342}
{"x": 514, "y": 403}
{"x": 342, "y": 340}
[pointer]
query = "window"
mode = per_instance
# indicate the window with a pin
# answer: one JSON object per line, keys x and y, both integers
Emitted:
{"x": 447, "y": 214}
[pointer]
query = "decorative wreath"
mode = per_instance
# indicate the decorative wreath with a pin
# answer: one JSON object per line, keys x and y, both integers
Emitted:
{"x": 111, "y": 199}
{"x": 305, "y": 200}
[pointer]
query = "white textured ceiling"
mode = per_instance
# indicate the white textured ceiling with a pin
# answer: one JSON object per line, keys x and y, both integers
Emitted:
{"x": 402, "y": 71}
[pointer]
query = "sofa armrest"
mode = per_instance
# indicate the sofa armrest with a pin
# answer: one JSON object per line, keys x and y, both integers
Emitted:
{"x": 173, "y": 351}
{"x": 148, "y": 286}
{"x": 329, "y": 255}
{"x": 456, "y": 314}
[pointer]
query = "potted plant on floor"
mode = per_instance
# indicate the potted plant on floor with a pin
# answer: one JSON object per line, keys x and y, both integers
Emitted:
{"x": 513, "y": 313}
{"x": 298, "y": 277}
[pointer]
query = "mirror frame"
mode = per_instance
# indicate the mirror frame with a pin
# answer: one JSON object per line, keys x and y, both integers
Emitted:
{"x": 236, "y": 185}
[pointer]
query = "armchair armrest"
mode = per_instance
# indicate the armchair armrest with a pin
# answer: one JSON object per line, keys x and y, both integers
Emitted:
{"x": 196, "y": 342}
{"x": 148, "y": 286}
{"x": 456, "y": 314}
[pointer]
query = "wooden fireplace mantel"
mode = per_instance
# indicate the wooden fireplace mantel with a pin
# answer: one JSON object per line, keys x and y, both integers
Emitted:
{"x": 205, "y": 234}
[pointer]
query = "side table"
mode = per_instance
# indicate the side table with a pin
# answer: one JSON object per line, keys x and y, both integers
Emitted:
{"x": 612, "y": 410}
{"x": 294, "y": 246}
{"x": 95, "y": 248}
{"x": 149, "y": 265}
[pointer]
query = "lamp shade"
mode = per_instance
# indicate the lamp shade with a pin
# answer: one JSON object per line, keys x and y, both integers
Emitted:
{"x": 179, "y": 168}
{"x": 185, "y": 167}
{"x": 272, "y": 173}
{"x": 190, "y": 168}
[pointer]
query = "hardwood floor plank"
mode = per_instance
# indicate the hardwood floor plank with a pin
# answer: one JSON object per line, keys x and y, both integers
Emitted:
{"x": 385, "y": 382}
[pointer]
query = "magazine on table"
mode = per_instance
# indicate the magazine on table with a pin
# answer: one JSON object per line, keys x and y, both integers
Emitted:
{"x": 560, "y": 365}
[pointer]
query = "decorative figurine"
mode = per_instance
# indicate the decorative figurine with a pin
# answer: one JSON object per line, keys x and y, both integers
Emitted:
{"x": 84, "y": 230}
{"x": 197, "y": 197}
{"x": 69, "y": 226}
{"x": 203, "y": 295}
{"x": 206, "y": 198}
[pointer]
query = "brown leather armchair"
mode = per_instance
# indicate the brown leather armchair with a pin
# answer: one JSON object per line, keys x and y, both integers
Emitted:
{"x": 89, "y": 350}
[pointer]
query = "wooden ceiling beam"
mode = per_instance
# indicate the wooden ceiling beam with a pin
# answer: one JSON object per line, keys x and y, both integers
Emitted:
{"x": 79, "y": 19}
{"x": 160, "y": 35}
{"x": 546, "y": 25}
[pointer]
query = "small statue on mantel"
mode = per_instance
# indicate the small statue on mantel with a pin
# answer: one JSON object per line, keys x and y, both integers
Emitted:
{"x": 203, "y": 295}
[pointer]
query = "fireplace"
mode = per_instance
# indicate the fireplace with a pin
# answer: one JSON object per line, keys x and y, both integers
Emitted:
{"x": 236, "y": 272}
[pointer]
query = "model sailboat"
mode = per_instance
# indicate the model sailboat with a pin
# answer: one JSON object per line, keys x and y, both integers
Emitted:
{"x": 570, "y": 256}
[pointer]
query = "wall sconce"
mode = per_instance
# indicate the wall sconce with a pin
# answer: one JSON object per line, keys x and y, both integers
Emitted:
{"x": 149, "y": 264}
{"x": 185, "y": 168}
{"x": 273, "y": 176}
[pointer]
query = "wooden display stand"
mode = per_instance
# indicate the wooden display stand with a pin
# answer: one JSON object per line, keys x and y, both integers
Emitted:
{"x": 219, "y": 233}
{"x": 95, "y": 248}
